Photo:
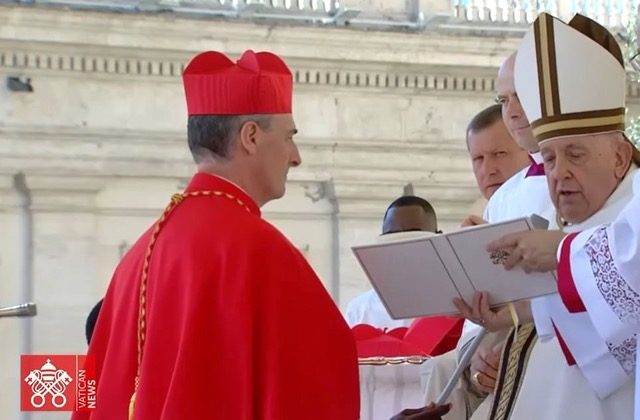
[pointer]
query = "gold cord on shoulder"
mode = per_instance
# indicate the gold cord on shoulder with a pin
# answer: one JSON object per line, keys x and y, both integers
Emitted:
{"x": 176, "y": 199}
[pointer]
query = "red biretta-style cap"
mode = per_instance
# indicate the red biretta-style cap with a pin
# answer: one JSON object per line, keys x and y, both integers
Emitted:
{"x": 258, "y": 83}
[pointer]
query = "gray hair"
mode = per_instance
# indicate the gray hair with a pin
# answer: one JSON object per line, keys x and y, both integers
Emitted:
{"x": 210, "y": 136}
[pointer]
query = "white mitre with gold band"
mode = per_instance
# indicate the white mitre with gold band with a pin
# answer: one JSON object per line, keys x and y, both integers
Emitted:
{"x": 571, "y": 79}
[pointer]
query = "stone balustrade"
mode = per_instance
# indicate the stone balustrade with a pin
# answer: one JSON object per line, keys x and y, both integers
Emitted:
{"x": 390, "y": 14}
{"x": 611, "y": 13}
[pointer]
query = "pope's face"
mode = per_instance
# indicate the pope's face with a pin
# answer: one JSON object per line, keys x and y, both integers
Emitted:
{"x": 582, "y": 172}
{"x": 278, "y": 152}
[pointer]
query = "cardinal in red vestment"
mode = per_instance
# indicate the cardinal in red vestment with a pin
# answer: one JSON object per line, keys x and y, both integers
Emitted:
{"x": 213, "y": 313}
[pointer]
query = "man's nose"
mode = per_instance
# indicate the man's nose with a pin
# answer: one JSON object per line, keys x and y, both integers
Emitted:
{"x": 296, "y": 159}
{"x": 514, "y": 109}
{"x": 560, "y": 168}
{"x": 490, "y": 167}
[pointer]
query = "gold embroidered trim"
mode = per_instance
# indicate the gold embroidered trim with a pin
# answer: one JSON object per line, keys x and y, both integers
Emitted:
{"x": 513, "y": 364}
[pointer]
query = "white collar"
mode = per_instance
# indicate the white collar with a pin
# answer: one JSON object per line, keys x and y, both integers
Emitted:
{"x": 537, "y": 157}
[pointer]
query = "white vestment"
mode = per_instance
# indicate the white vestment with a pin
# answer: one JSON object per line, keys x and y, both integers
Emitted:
{"x": 598, "y": 387}
{"x": 367, "y": 308}
{"x": 519, "y": 196}
{"x": 384, "y": 390}
{"x": 605, "y": 268}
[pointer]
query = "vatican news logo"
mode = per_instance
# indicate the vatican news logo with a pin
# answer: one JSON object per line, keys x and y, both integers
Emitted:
{"x": 57, "y": 383}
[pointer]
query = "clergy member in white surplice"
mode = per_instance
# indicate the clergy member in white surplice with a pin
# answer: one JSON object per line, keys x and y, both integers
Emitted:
{"x": 526, "y": 192}
{"x": 578, "y": 120}
{"x": 523, "y": 193}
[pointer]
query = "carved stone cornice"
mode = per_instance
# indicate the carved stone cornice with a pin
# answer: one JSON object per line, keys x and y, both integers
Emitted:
{"x": 93, "y": 44}
{"x": 451, "y": 212}
{"x": 366, "y": 199}
{"x": 117, "y": 65}
{"x": 418, "y": 79}
{"x": 305, "y": 200}
{"x": 146, "y": 153}
{"x": 98, "y": 44}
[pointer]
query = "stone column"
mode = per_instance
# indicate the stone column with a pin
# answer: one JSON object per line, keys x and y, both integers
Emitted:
{"x": 10, "y": 294}
{"x": 361, "y": 209}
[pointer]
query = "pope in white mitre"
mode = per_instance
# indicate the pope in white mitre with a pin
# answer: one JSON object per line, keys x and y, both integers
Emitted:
{"x": 571, "y": 82}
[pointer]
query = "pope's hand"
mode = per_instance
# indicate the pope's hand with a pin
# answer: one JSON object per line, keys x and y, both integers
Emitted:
{"x": 492, "y": 319}
{"x": 532, "y": 250}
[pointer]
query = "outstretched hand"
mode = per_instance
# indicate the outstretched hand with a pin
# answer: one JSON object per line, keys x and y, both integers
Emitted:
{"x": 533, "y": 250}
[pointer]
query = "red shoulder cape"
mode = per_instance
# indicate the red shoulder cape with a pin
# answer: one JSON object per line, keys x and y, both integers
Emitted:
{"x": 238, "y": 324}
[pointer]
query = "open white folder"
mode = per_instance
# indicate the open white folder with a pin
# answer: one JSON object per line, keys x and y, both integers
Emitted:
{"x": 420, "y": 275}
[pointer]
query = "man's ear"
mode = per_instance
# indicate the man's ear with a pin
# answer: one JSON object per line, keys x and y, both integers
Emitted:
{"x": 248, "y": 137}
{"x": 624, "y": 152}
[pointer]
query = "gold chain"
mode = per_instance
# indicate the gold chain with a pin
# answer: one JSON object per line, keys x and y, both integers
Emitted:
{"x": 175, "y": 200}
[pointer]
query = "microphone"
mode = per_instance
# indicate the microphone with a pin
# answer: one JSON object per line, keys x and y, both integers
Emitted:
{"x": 26, "y": 309}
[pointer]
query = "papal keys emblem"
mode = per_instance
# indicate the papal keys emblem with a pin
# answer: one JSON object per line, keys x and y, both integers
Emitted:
{"x": 48, "y": 381}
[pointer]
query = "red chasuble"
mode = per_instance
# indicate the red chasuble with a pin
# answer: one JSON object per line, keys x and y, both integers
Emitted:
{"x": 238, "y": 326}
